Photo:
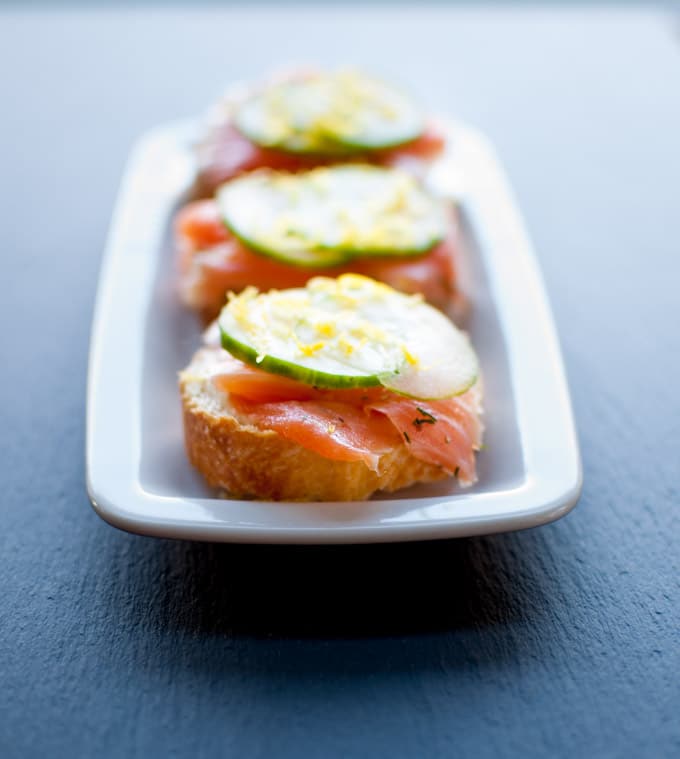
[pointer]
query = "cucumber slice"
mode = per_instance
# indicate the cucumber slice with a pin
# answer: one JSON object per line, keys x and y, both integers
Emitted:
{"x": 330, "y": 114}
{"x": 350, "y": 332}
{"x": 330, "y": 215}
{"x": 446, "y": 362}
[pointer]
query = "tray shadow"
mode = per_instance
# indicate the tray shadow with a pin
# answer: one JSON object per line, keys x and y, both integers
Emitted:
{"x": 335, "y": 592}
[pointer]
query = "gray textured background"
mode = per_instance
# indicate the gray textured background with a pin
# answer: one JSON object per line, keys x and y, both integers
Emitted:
{"x": 554, "y": 642}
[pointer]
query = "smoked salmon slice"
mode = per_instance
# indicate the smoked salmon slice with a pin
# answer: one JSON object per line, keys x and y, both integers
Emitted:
{"x": 331, "y": 429}
{"x": 358, "y": 424}
{"x": 445, "y": 433}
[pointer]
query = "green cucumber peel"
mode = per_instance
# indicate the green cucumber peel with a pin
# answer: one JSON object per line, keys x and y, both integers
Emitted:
{"x": 283, "y": 368}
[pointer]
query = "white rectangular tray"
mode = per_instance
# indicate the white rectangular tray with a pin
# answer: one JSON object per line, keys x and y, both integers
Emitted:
{"x": 138, "y": 477}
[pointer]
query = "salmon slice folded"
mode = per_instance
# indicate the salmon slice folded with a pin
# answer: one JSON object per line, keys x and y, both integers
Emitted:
{"x": 358, "y": 424}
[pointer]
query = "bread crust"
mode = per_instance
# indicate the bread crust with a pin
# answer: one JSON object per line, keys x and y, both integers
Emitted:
{"x": 248, "y": 462}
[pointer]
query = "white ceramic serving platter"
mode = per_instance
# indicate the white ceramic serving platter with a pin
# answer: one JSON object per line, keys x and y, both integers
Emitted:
{"x": 138, "y": 477}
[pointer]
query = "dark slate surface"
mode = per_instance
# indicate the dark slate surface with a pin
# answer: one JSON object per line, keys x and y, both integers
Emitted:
{"x": 562, "y": 641}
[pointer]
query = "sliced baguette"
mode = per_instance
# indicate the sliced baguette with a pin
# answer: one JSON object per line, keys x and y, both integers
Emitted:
{"x": 249, "y": 462}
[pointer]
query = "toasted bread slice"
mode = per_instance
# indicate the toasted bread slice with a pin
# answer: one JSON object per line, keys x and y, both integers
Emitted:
{"x": 249, "y": 462}
{"x": 211, "y": 262}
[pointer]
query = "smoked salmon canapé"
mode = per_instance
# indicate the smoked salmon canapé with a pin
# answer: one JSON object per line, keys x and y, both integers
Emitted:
{"x": 273, "y": 229}
{"x": 306, "y": 118}
{"x": 331, "y": 392}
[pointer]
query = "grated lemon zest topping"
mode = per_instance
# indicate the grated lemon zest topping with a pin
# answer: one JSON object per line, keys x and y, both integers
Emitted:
{"x": 321, "y": 318}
